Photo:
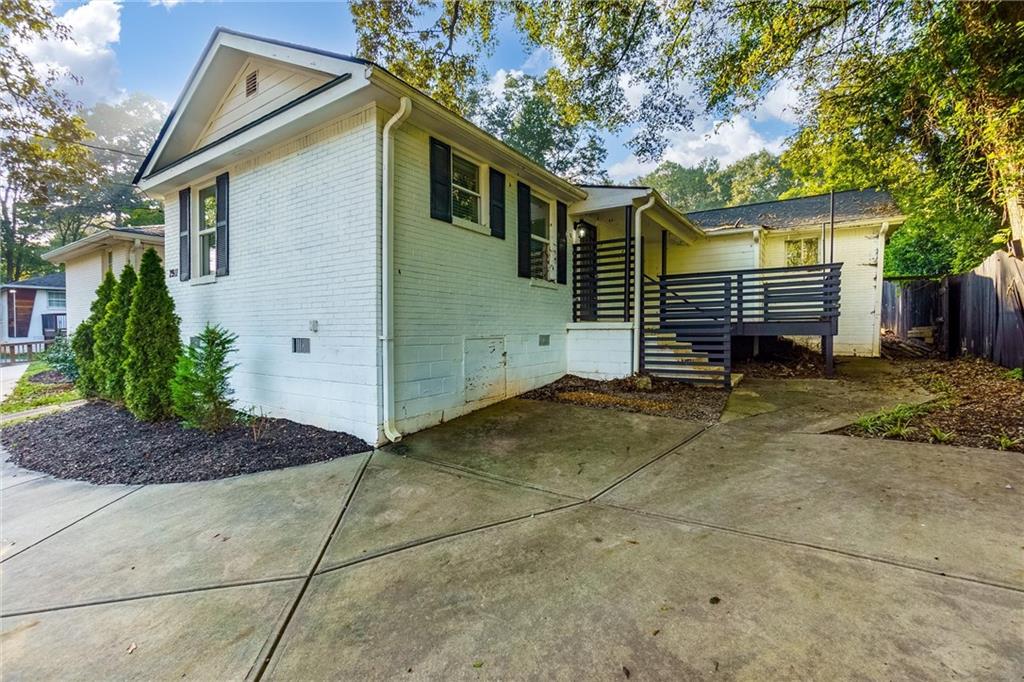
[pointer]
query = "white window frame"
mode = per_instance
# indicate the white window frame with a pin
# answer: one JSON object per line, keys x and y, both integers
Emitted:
{"x": 50, "y": 303}
{"x": 802, "y": 239}
{"x": 483, "y": 198}
{"x": 549, "y": 243}
{"x": 198, "y": 257}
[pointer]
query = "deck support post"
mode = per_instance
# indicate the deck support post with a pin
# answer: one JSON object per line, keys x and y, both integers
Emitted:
{"x": 826, "y": 349}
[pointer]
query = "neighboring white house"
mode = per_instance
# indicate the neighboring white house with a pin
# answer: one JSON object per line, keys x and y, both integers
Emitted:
{"x": 88, "y": 259}
{"x": 34, "y": 309}
{"x": 385, "y": 264}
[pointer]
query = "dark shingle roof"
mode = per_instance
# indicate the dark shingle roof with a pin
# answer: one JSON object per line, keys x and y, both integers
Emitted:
{"x": 153, "y": 230}
{"x": 851, "y": 205}
{"x": 54, "y": 280}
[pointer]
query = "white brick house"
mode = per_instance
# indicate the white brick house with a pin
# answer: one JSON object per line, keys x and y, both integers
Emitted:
{"x": 363, "y": 299}
{"x": 386, "y": 264}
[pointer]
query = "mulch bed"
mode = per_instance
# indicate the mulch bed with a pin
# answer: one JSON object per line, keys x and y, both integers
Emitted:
{"x": 780, "y": 358}
{"x": 103, "y": 443}
{"x": 977, "y": 403}
{"x": 50, "y": 376}
{"x": 665, "y": 398}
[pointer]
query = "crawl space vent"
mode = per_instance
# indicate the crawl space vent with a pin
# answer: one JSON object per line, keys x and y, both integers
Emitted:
{"x": 300, "y": 345}
{"x": 545, "y": 340}
{"x": 250, "y": 84}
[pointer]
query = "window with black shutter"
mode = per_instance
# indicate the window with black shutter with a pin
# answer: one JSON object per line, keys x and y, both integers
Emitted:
{"x": 523, "y": 236}
{"x": 222, "y": 225}
{"x": 184, "y": 234}
{"x": 440, "y": 180}
{"x": 496, "y": 191}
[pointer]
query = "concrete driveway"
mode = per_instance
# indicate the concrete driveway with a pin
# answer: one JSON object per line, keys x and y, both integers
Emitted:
{"x": 536, "y": 540}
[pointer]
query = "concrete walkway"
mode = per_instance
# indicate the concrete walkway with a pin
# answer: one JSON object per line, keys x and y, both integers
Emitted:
{"x": 9, "y": 375}
{"x": 535, "y": 540}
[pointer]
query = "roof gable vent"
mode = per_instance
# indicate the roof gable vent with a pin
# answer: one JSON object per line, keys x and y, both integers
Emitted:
{"x": 251, "y": 83}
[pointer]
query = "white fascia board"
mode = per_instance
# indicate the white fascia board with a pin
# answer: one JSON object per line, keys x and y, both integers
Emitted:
{"x": 304, "y": 116}
{"x": 101, "y": 238}
{"x": 604, "y": 198}
{"x": 503, "y": 155}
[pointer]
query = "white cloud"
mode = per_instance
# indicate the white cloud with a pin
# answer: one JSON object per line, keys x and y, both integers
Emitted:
{"x": 726, "y": 141}
{"x": 542, "y": 59}
{"x": 166, "y": 3}
{"x": 95, "y": 27}
{"x": 496, "y": 85}
{"x": 782, "y": 103}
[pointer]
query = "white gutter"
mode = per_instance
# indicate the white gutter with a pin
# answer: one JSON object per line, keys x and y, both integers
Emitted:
{"x": 387, "y": 271}
{"x": 638, "y": 280}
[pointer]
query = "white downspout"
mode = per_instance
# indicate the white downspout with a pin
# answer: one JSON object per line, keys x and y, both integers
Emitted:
{"x": 638, "y": 280}
{"x": 387, "y": 271}
{"x": 876, "y": 342}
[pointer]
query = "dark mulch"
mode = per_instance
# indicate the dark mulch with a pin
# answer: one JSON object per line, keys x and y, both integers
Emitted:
{"x": 50, "y": 376}
{"x": 780, "y": 358}
{"x": 665, "y": 398}
{"x": 102, "y": 443}
{"x": 978, "y": 404}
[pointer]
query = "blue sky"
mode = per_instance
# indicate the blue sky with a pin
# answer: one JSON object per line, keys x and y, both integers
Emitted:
{"x": 152, "y": 46}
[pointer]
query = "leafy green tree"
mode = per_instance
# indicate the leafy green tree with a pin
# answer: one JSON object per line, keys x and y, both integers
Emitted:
{"x": 939, "y": 81}
{"x": 109, "y": 347}
{"x": 84, "y": 339}
{"x": 757, "y": 177}
{"x": 200, "y": 388}
{"x": 525, "y": 118}
{"x": 152, "y": 343}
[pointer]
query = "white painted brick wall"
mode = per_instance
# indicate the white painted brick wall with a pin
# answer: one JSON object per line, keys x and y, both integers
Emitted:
{"x": 452, "y": 284}
{"x": 598, "y": 350}
{"x": 303, "y": 246}
{"x": 84, "y": 274}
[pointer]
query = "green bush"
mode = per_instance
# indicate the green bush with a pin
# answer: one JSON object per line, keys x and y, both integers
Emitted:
{"x": 152, "y": 344}
{"x": 108, "y": 349}
{"x": 202, "y": 396}
{"x": 61, "y": 356}
{"x": 84, "y": 339}
{"x": 892, "y": 423}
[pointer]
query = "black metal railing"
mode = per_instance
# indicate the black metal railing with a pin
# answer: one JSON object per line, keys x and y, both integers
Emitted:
{"x": 602, "y": 280}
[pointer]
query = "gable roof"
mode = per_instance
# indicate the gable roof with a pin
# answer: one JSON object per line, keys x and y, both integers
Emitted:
{"x": 850, "y": 206}
{"x": 53, "y": 280}
{"x": 147, "y": 234}
{"x": 223, "y": 56}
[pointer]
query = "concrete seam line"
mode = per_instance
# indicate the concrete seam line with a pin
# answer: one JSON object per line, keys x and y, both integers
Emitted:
{"x": 270, "y": 648}
{"x": 647, "y": 464}
{"x": 811, "y": 545}
{"x": 490, "y": 477}
{"x": 412, "y": 544}
{"x": 151, "y": 595}
{"x": 60, "y": 530}
{"x": 27, "y": 480}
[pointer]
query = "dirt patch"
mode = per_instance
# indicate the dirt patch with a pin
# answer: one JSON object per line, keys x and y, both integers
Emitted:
{"x": 665, "y": 398}
{"x": 49, "y": 376}
{"x": 103, "y": 443}
{"x": 780, "y": 358}
{"x": 979, "y": 405}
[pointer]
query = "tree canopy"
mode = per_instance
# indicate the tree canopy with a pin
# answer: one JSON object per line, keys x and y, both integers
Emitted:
{"x": 925, "y": 97}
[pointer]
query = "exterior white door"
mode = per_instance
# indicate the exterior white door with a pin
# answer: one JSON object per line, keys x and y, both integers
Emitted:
{"x": 484, "y": 364}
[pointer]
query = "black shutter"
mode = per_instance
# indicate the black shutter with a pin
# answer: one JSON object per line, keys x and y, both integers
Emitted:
{"x": 523, "y": 224}
{"x": 184, "y": 233}
{"x": 562, "y": 240}
{"x": 222, "y": 224}
{"x": 497, "y": 200}
{"x": 440, "y": 180}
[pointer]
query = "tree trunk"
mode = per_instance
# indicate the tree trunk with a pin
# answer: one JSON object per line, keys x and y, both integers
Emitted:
{"x": 1015, "y": 212}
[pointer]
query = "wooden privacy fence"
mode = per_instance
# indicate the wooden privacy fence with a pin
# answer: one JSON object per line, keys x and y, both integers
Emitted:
{"x": 979, "y": 312}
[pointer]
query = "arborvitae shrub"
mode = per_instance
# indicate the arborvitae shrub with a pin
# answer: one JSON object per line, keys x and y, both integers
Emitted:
{"x": 109, "y": 332}
{"x": 202, "y": 395}
{"x": 152, "y": 344}
{"x": 84, "y": 339}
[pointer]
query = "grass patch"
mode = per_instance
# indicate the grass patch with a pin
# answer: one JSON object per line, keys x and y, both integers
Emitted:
{"x": 891, "y": 423}
{"x": 28, "y": 395}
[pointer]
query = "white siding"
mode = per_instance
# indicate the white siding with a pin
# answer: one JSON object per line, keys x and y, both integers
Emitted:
{"x": 276, "y": 86}
{"x": 598, "y": 350}
{"x": 857, "y": 250}
{"x": 454, "y": 285}
{"x": 732, "y": 252}
{"x": 40, "y": 306}
{"x": 85, "y": 272}
{"x": 303, "y": 247}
